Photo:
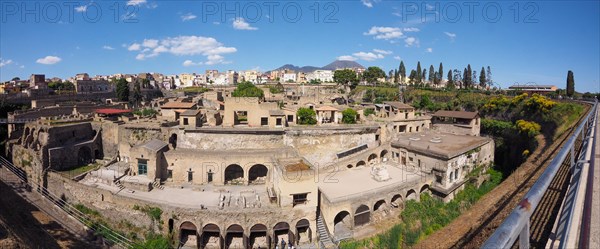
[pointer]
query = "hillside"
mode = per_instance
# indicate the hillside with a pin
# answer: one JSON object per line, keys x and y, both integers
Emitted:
{"x": 338, "y": 64}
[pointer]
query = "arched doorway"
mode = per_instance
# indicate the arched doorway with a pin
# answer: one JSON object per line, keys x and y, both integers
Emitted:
{"x": 362, "y": 216}
{"x": 379, "y": 205}
{"x": 84, "y": 156}
{"x": 234, "y": 237}
{"x": 411, "y": 195}
{"x": 424, "y": 189}
{"x": 342, "y": 224}
{"x": 234, "y": 174}
{"x": 259, "y": 237}
{"x": 258, "y": 174}
{"x": 360, "y": 164}
{"x": 372, "y": 159}
{"x": 303, "y": 232}
{"x": 384, "y": 156}
{"x": 211, "y": 236}
{"x": 396, "y": 201}
{"x": 281, "y": 231}
{"x": 188, "y": 235}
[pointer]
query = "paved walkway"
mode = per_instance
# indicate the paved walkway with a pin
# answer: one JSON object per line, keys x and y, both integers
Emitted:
{"x": 595, "y": 226}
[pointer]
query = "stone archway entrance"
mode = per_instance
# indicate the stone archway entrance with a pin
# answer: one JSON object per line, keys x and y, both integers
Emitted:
{"x": 211, "y": 236}
{"x": 362, "y": 216}
{"x": 259, "y": 237}
{"x": 234, "y": 174}
{"x": 188, "y": 235}
{"x": 258, "y": 174}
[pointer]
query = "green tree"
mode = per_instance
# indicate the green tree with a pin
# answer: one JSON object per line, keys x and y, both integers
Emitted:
{"x": 16, "y": 79}
{"x": 440, "y": 74}
{"x": 137, "y": 93}
{"x": 345, "y": 77}
{"x": 418, "y": 75}
{"x": 424, "y": 73}
{"x": 402, "y": 72}
{"x": 412, "y": 77}
{"x": 122, "y": 90}
{"x": 395, "y": 75}
{"x": 431, "y": 74}
{"x": 306, "y": 116}
{"x": 349, "y": 116}
{"x": 450, "y": 83}
{"x": 372, "y": 74}
{"x": 247, "y": 89}
{"x": 482, "y": 80}
{"x": 570, "y": 84}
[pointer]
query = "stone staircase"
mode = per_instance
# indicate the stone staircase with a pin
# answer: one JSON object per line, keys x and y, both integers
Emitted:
{"x": 119, "y": 185}
{"x": 324, "y": 238}
{"x": 156, "y": 184}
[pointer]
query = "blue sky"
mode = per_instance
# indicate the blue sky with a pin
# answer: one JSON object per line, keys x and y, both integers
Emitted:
{"x": 537, "y": 42}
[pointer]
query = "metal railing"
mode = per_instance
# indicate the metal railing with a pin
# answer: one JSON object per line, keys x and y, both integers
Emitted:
{"x": 517, "y": 224}
{"x": 119, "y": 240}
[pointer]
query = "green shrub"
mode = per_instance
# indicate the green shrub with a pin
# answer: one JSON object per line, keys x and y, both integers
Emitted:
{"x": 247, "y": 89}
{"x": 369, "y": 111}
{"x": 349, "y": 116}
{"x": 306, "y": 116}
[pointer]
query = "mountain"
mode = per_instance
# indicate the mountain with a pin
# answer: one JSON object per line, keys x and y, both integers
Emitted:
{"x": 331, "y": 66}
{"x": 341, "y": 65}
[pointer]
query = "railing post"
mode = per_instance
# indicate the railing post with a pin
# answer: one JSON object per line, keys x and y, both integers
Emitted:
{"x": 524, "y": 236}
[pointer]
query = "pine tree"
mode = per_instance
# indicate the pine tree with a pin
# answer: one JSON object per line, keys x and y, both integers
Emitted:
{"x": 431, "y": 74}
{"x": 418, "y": 75}
{"x": 570, "y": 84}
{"x": 402, "y": 72}
{"x": 482, "y": 80}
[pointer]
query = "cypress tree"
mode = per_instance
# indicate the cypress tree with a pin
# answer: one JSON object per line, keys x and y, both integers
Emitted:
{"x": 570, "y": 84}
{"x": 418, "y": 72}
{"x": 402, "y": 72}
{"x": 482, "y": 80}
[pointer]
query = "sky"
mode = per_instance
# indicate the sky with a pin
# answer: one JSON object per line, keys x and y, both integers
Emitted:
{"x": 522, "y": 42}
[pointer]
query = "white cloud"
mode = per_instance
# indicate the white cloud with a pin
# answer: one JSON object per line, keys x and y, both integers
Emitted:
{"x": 411, "y": 29}
{"x": 368, "y": 56}
{"x": 22, "y": 66}
{"x": 188, "y": 16}
{"x": 185, "y": 45}
{"x": 347, "y": 58}
{"x": 189, "y": 63}
{"x": 367, "y": 3}
{"x": 81, "y": 8}
{"x": 49, "y": 60}
{"x": 216, "y": 23}
{"x": 134, "y": 47}
{"x": 411, "y": 41}
{"x": 397, "y": 58}
{"x": 380, "y": 51}
{"x": 429, "y": 50}
{"x": 108, "y": 47}
{"x": 384, "y": 33}
{"x": 240, "y": 24}
{"x": 5, "y": 62}
{"x": 150, "y": 43}
{"x": 452, "y": 36}
{"x": 136, "y": 2}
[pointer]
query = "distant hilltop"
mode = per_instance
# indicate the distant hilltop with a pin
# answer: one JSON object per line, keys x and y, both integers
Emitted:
{"x": 338, "y": 64}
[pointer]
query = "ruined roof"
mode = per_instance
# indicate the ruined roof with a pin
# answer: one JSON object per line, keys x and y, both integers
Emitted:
{"x": 398, "y": 105}
{"x": 190, "y": 113}
{"x": 111, "y": 111}
{"x": 456, "y": 114}
{"x": 154, "y": 145}
{"x": 439, "y": 145}
{"x": 178, "y": 105}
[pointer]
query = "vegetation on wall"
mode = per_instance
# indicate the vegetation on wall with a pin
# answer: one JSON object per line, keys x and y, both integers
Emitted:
{"x": 247, "y": 89}
{"x": 420, "y": 219}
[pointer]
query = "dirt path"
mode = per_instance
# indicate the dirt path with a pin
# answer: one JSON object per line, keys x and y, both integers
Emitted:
{"x": 474, "y": 226}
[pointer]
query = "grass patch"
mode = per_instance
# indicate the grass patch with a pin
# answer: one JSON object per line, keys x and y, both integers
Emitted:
{"x": 193, "y": 89}
{"x": 420, "y": 219}
{"x": 79, "y": 170}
